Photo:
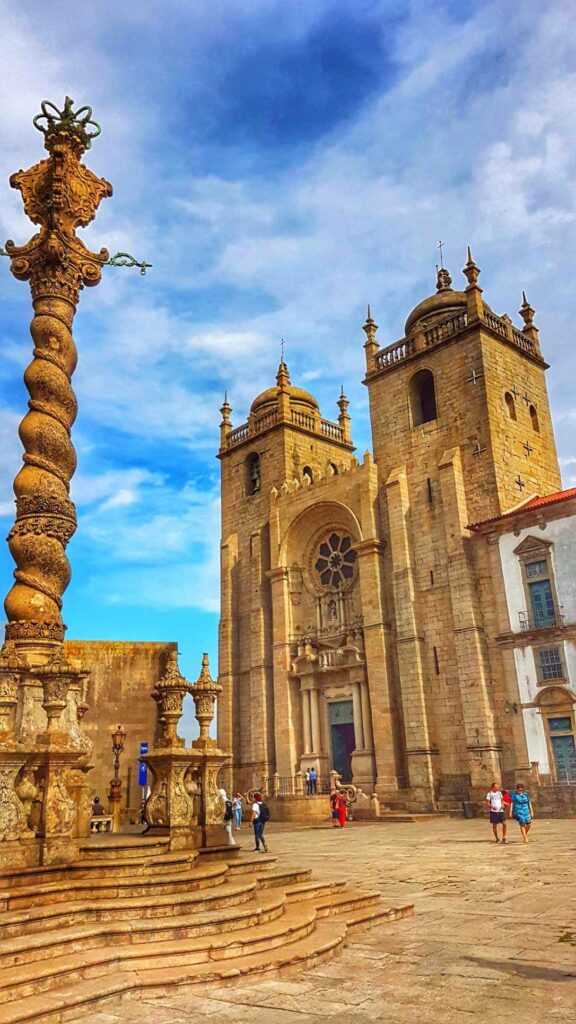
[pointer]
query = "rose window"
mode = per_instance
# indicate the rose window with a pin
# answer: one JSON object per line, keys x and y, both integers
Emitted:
{"x": 335, "y": 561}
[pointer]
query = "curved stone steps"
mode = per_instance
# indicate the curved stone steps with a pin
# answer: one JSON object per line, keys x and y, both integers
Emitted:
{"x": 108, "y": 846}
{"x": 84, "y": 995}
{"x": 102, "y": 962}
{"x": 290, "y": 877}
{"x": 341, "y": 902}
{"x": 37, "y": 946}
{"x": 248, "y": 863}
{"x": 365, "y": 917}
{"x": 124, "y": 886}
{"x": 98, "y": 868}
{"x": 62, "y": 915}
{"x": 312, "y": 889}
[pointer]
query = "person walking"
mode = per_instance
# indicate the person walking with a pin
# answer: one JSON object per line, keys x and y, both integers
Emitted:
{"x": 237, "y": 809}
{"x": 339, "y": 805}
{"x": 521, "y": 810}
{"x": 228, "y": 816}
{"x": 260, "y": 816}
{"x": 342, "y": 807}
{"x": 313, "y": 781}
{"x": 494, "y": 801}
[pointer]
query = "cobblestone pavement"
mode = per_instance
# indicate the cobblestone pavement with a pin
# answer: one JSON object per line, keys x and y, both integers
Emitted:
{"x": 493, "y": 938}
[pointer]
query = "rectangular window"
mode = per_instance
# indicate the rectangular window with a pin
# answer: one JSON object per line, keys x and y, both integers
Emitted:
{"x": 550, "y": 663}
{"x": 539, "y": 568}
{"x": 560, "y": 724}
{"x": 542, "y": 603}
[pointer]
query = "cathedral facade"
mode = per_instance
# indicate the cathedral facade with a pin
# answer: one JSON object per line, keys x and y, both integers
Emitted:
{"x": 357, "y": 607}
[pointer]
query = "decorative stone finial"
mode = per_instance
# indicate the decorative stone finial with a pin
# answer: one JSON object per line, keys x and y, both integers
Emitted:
{"x": 526, "y": 311}
{"x": 204, "y": 694}
{"x": 225, "y": 410}
{"x": 443, "y": 280}
{"x": 283, "y": 376}
{"x": 344, "y": 417}
{"x": 471, "y": 271}
{"x": 169, "y": 694}
{"x": 370, "y": 327}
{"x": 343, "y": 402}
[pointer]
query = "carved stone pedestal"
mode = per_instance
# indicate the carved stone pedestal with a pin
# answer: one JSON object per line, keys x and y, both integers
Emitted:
{"x": 59, "y": 840}
{"x": 209, "y": 762}
{"x": 172, "y": 807}
{"x": 185, "y": 802}
{"x": 18, "y": 848}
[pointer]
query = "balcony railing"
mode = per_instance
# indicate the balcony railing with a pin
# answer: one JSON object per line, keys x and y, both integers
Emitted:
{"x": 528, "y": 621}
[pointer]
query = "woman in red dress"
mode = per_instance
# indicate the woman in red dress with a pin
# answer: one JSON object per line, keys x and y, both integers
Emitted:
{"x": 341, "y": 807}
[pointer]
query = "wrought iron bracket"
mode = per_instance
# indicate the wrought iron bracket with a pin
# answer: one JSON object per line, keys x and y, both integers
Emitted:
{"x": 124, "y": 259}
{"x": 120, "y": 259}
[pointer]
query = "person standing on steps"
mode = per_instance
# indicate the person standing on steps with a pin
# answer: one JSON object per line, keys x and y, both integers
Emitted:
{"x": 495, "y": 804}
{"x": 307, "y": 782}
{"x": 260, "y": 815}
{"x": 521, "y": 810}
{"x": 313, "y": 781}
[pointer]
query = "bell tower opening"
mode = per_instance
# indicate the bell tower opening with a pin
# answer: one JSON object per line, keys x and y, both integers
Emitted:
{"x": 423, "y": 398}
{"x": 253, "y": 479}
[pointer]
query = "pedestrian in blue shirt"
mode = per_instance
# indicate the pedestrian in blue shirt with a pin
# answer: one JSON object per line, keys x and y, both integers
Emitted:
{"x": 521, "y": 810}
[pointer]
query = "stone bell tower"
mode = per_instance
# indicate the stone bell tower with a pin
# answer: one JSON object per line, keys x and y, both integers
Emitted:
{"x": 285, "y": 442}
{"x": 461, "y": 432}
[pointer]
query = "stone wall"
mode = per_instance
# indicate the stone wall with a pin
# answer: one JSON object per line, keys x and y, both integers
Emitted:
{"x": 123, "y": 675}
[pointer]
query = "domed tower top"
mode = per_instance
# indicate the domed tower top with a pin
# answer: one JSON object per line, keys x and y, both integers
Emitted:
{"x": 299, "y": 399}
{"x": 442, "y": 304}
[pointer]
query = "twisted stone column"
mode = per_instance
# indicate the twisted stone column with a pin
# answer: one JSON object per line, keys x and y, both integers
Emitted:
{"x": 59, "y": 194}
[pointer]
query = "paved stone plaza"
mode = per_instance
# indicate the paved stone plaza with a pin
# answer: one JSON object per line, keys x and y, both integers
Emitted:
{"x": 493, "y": 938}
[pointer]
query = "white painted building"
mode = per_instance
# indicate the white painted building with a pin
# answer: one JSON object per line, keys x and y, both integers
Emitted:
{"x": 536, "y": 548}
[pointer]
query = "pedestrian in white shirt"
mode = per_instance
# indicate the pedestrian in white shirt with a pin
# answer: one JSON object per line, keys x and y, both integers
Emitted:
{"x": 495, "y": 805}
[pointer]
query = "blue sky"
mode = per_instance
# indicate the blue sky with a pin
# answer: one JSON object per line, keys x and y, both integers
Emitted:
{"x": 280, "y": 164}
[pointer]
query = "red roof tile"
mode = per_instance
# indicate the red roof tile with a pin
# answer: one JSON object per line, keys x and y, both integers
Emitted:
{"x": 533, "y": 503}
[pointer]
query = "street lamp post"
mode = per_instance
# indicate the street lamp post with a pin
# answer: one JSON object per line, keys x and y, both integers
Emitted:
{"x": 115, "y": 794}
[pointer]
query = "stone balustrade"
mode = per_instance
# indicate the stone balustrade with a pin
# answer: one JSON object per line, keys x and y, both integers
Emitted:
{"x": 402, "y": 350}
{"x": 303, "y": 420}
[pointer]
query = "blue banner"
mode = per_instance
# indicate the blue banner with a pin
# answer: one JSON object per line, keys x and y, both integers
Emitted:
{"x": 142, "y": 772}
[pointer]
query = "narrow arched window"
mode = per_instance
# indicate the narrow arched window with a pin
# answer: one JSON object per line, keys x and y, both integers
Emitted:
{"x": 534, "y": 419}
{"x": 308, "y": 474}
{"x": 510, "y": 405}
{"x": 423, "y": 397}
{"x": 253, "y": 480}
